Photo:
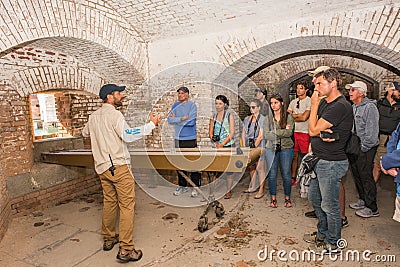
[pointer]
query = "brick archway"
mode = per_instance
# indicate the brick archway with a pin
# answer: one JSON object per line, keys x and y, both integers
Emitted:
{"x": 100, "y": 24}
{"x": 66, "y": 63}
{"x": 267, "y": 55}
{"x": 374, "y": 88}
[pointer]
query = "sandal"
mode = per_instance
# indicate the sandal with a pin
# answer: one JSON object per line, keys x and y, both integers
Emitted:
{"x": 248, "y": 191}
{"x": 258, "y": 196}
{"x": 288, "y": 203}
{"x": 228, "y": 195}
{"x": 273, "y": 203}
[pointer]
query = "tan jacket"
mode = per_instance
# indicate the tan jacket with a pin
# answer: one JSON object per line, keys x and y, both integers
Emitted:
{"x": 108, "y": 133}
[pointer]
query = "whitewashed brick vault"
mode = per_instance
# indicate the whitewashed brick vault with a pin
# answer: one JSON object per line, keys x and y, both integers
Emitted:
{"x": 84, "y": 43}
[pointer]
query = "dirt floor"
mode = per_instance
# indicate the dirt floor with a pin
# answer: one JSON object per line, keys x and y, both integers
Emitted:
{"x": 247, "y": 235}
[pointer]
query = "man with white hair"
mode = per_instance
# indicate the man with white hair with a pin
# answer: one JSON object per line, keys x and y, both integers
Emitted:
{"x": 389, "y": 117}
{"x": 366, "y": 126}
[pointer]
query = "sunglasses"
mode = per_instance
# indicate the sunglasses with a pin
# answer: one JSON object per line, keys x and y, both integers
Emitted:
{"x": 253, "y": 107}
{"x": 298, "y": 104}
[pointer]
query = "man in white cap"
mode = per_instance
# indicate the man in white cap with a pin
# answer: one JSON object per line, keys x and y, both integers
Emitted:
{"x": 366, "y": 126}
{"x": 389, "y": 118}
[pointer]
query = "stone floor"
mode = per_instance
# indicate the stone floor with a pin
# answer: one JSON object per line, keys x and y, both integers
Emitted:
{"x": 68, "y": 234}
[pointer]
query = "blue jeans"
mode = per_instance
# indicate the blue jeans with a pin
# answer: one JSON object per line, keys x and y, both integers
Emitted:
{"x": 323, "y": 194}
{"x": 284, "y": 158}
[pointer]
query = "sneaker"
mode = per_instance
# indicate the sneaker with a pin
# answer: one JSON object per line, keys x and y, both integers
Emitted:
{"x": 310, "y": 214}
{"x": 194, "y": 193}
{"x": 312, "y": 238}
{"x": 129, "y": 255}
{"x": 179, "y": 190}
{"x": 345, "y": 222}
{"x": 109, "y": 243}
{"x": 360, "y": 204}
{"x": 367, "y": 213}
{"x": 322, "y": 248}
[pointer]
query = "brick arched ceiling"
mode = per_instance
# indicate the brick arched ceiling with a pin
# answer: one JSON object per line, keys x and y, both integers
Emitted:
{"x": 164, "y": 19}
{"x": 270, "y": 54}
{"x": 361, "y": 29}
{"x": 65, "y": 63}
{"x": 94, "y": 21}
{"x": 284, "y": 72}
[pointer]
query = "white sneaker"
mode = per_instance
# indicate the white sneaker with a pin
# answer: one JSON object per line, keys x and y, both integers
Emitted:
{"x": 367, "y": 213}
{"x": 179, "y": 190}
{"x": 194, "y": 193}
{"x": 360, "y": 204}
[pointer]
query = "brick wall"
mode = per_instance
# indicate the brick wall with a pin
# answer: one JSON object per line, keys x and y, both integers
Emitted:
{"x": 73, "y": 110}
{"x": 55, "y": 195}
{"x": 15, "y": 145}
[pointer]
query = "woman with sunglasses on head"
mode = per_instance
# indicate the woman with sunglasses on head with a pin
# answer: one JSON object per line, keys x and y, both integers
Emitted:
{"x": 222, "y": 131}
{"x": 279, "y": 148}
{"x": 252, "y": 136}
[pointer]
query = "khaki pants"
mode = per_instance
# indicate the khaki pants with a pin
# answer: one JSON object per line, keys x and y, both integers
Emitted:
{"x": 381, "y": 148}
{"x": 118, "y": 193}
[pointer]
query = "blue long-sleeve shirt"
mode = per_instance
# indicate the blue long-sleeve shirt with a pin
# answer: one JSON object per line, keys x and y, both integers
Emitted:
{"x": 184, "y": 130}
{"x": 392, "y": 157}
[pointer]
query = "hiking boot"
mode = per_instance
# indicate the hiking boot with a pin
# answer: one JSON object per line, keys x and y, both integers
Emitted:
{"x": 312, "y": 238}
{"x": 310, "y": 214}
{"x": 367, "y": 213}
{"x": 129, "y": 255}
{"x": 109, "y": 243}
{"x": 194, "y": 193}
{"x": 179, "y": 190}
{"x": 321, "y": 248}
{"x": 360, "y": 204}
{"x": 345, "y": 222}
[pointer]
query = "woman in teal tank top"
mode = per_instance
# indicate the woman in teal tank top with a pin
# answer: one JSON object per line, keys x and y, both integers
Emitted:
{"x": 221, "y": 132}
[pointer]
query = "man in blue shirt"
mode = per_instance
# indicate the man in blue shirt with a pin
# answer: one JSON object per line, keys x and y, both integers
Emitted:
{"x": 390, "y": 164}
{"x": 183, "y": 116}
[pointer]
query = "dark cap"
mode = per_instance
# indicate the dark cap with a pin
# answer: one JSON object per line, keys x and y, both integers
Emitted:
{"x": 263, "y": 91}
{"x": 108, "y": 89}
{"x": 396, "y": 86}
{"x": 183, "y": 89}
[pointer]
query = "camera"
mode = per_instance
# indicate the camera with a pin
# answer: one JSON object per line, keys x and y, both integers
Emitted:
{"x": 215, "y": 138}
{"x": 325, "y": 134}
{"x": 252, "y": 143}
{"x": 276, "y": 148}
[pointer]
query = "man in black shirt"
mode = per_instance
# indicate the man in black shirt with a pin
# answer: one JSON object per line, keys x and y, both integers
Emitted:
{"x": 331, "y": 113}
{"x": 389, "y": 117}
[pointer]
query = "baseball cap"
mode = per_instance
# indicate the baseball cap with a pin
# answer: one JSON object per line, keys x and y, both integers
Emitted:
{"x": 108, "y": 89}
{"x": 183, "y": 89}
{"x": 318, "y": 70}
{"x": 361, "y": 86}
{"x": 392, "y": 86}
